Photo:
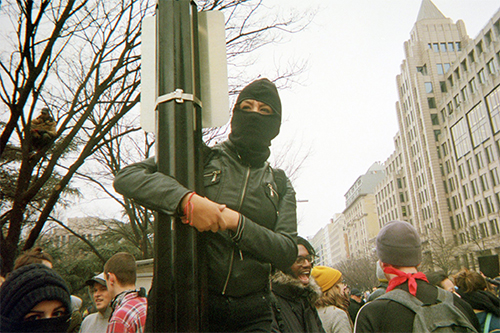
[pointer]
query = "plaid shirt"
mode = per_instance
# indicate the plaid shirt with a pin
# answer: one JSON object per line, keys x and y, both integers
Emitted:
{"x": 129, "y": 315}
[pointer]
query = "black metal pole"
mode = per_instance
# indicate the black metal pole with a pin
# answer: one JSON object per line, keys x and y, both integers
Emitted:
{"x": 176, "y": 276}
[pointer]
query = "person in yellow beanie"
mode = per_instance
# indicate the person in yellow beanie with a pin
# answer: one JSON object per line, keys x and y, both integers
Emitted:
{"x": 333, "y": 303}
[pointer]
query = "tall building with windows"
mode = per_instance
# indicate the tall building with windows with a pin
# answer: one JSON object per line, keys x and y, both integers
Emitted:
{"x": 361, "y": 219}
{"x": 446, "y": 167}
{"x": 330, "y": 242}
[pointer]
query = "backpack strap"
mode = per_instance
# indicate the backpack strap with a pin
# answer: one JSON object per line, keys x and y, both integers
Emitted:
{"x": 487, "y": 323}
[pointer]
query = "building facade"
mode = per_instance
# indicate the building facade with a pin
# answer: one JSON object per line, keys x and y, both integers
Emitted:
{"x": 361, "y": 218}
{"x": 444, "y": 175}
{"x": 449, "y": 131}
{"x": 330, "y": 242}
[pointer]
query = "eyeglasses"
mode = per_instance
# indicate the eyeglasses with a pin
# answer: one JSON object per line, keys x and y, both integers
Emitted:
{"x": 302, "y": 260}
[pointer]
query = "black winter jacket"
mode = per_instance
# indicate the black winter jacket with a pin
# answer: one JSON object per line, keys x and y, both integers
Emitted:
{"x": 293, "y": 307}
{"x": 238, "y": 263}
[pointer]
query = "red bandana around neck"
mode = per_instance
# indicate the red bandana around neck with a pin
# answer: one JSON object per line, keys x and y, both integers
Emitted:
{"x": 402, "y": 277}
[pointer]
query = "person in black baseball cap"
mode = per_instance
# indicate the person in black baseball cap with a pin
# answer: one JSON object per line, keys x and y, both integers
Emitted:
{"x": 34, "y": 298}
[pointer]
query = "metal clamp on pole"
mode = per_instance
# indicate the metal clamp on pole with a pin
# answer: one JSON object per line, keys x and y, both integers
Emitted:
{"x": 179, "y": 96}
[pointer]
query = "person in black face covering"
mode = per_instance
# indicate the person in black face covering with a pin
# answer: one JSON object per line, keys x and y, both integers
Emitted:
{"x": 34, "y": 298}
{"x": 256, "y": 121}
{"x": 249, "y": 206}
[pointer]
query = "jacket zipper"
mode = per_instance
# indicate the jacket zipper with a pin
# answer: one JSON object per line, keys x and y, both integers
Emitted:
{"x": 247, "y": 177}
{"x": 214, "y": 175}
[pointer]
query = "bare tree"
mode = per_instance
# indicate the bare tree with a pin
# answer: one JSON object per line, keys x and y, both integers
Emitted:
{"x": 360, "y": 272}
{"x": 437, "y": 252}
{"x": 81, "y": 59}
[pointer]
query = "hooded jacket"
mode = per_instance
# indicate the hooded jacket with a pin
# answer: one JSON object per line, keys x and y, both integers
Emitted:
{"x": 238, "y": 263}
{"x": 294, "y": 309}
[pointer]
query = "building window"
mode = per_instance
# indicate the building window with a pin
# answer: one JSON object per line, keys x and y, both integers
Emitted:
{"x": 463, "y": 91}
{"x": 463, "y": 64}
{"x": 483, "y": 230}
{"x": 450, "y": 80}
{"x": 479, "y": 47}
{"x": 471, "y": 57}
{"x": 422, "y": 70}
{"x": 461, "y": 171}
{"x": 457, "y": 74}
{"x": 490, "y": 207}
{"x": 458, "y": 46}
{"x": 470, "y": 212}
{"x": 451, "y": 47}
{"x": 494, "y": 177}
{"x": 470, "y": 166}
{"x": 475, "y": 188}
{"x": 490, "y": 157}
{"x": 472, "y": 86}
{"x": 449, "y": 107}
{"x": 434, "y": 119}
{"x": 465, "y": 188}
{"x": 456, "y": 100}
{"x": 437, "y": 134}
{"x": 461, "y": 138}
{"x": 442, "y": 85}
{"x": 482, "y": 78}
{"x": 491, "y": 67}
{"x": 428, "y": 87}
{"x": 479, "y": 209}
{"x": 432, "y": 102}
{"x": 478, "y": 122}
{"x": 493, "y": 101}
{"x": 479, "y": 160}
{"x": 484, "y": 182}
{"x": 446, "y": 67}
{"x": 435, "y": 47}
{"x": 494, "y": 227}
{"x": 440, "y": 69}
{"x": 487, "y": 37}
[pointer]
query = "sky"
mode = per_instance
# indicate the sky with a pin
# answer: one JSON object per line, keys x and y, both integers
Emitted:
{"x": 343, "y": 110}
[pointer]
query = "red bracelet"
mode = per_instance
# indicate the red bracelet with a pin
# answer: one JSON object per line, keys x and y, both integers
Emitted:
{"x": 188, "y": 208}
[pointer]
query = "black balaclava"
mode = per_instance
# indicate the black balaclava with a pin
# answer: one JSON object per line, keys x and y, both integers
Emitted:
{"x": 26, "y": 287}
{"x": 252, "y": 132}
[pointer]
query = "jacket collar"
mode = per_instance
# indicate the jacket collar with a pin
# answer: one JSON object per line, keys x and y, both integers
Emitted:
{"x": 291, "y": 288}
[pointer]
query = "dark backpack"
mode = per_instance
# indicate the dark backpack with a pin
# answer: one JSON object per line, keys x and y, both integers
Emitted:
{"x": 440, "y": 317}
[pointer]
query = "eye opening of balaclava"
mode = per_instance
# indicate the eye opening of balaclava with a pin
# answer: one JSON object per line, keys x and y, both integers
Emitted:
{"x": 252, "y": 132}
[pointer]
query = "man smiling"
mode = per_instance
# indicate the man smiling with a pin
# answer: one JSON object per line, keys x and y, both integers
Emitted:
{"x": 296, "y": 292}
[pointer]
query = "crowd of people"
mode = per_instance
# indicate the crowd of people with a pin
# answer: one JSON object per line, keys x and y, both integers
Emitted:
{"x": 262, "y": 276}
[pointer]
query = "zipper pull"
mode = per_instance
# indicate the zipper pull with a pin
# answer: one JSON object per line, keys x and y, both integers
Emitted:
{"x": 272, "y": 192}
{"x": 215, "y": 174}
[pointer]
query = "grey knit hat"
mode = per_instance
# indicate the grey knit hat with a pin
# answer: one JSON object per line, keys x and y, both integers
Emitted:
{"x": 29, "y": 285}
{"x": 398, "y": 244}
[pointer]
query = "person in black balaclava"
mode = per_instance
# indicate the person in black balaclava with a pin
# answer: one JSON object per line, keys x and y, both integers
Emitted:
{"x": 256, "y": 121}
{"x": 249, "y": 207}
{"x": 34, "y": 298}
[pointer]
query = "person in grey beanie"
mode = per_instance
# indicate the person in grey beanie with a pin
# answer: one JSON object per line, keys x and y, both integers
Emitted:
{"x": 249, "y": 207}
{"x": 399, "y": 250}
{"x": 34, "y": 298}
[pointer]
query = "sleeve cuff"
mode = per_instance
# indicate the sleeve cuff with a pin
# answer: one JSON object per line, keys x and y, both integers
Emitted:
{"x": 236, "y": 235}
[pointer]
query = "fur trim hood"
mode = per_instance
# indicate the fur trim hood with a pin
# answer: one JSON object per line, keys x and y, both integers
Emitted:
{"x": 287, "y": 286}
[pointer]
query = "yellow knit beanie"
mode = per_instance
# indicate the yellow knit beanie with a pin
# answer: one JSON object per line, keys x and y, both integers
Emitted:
{"x": 326, "y": 277}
